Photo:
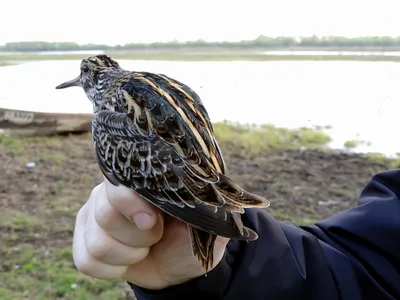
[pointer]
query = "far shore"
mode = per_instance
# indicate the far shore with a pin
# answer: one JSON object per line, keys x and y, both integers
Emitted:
{"x": 13, "y": 58}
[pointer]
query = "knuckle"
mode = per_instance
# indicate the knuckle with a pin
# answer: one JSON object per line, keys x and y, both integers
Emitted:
{"x": 104, "y": 272}
{"x": 82, "y": 266}
{"x": 88, "y": 268}
{"x": 104, "y": 221}
{"x": 83, "y": 262}
{"x": 105, "y": 218}
{"x": 98, "y": 247}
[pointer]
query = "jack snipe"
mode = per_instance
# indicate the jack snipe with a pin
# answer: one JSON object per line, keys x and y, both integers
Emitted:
{"x": 151, "y": 133}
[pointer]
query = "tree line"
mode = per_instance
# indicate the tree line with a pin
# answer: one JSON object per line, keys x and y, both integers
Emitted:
{"x": 262, "y": 42}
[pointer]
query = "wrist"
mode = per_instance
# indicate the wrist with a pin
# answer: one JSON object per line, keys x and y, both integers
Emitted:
{"x": 212, "y": 284}
{"x": 194, "y": 269}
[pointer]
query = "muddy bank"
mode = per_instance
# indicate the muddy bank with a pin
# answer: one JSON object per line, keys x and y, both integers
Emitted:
{"x": 299, "y": 184}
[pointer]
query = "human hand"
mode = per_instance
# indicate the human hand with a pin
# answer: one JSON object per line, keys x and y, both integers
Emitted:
{"x": 113, "y": 234}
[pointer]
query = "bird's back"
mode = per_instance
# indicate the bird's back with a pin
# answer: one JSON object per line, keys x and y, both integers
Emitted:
{"x": 160, "y": 142}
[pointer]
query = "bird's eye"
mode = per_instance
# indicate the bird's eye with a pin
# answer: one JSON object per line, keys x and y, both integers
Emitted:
{"x": 85, "y": 69}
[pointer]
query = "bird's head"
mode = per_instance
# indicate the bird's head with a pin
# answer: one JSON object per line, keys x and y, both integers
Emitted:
{"x": 95, "y": 77}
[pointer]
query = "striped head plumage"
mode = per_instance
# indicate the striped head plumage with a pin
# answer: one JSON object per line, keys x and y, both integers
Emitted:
{"x": 97, "y": 77}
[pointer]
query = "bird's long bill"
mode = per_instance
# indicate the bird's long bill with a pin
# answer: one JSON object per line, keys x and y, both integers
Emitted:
{"x": 74, "y": 82}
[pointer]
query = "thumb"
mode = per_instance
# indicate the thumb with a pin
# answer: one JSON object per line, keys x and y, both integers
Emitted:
{"x": 138, "y": 210}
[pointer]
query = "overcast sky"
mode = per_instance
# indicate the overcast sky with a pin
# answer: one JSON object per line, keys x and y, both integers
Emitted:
{"x": 120, "y": 22}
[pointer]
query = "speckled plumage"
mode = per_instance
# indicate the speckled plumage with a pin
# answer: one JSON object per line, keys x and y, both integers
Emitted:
{"x": 151, "y": 133}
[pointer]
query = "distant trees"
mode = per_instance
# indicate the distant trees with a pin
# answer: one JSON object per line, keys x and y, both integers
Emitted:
{"x": 261, "y": 43}
{"x": 47, "y": 46}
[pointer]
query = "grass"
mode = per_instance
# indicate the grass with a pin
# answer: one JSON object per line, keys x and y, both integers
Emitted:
{"x": 17, "y": 221}
{"x": 38, "y": 210}
{"x": 13, "y": 146}
{"x": 37, "y": 220}
{"x": 256, "y": 139}
{"x": 35, "y": 275}
{"x": 191, "y": 55}
{"x": 379, "y": 158}
{"x": 351, "y": 144}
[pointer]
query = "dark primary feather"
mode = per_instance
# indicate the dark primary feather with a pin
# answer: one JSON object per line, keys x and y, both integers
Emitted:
{"x": 153, "y": 134}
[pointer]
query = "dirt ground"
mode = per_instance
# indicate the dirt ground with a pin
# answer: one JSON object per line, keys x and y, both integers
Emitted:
{"x": 38, "y": 203}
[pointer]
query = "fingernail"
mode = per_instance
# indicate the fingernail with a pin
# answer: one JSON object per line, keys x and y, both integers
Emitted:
{"x": 143, "y": 221}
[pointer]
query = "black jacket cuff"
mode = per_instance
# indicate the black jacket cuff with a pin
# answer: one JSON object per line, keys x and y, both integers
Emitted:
{"x": 212, "y": 286}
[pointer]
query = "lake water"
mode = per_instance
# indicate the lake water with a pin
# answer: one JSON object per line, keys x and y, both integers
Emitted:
{"x": 359, "y": 99}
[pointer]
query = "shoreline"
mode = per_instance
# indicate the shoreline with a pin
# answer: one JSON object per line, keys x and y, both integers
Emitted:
{"x": 245, "y": 137}
{"x": 7, "y": 59}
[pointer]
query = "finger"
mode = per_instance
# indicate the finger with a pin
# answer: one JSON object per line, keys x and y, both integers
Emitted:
{"x": 84, "y": 262}
{"x": 123, "y": 229}
{"x": 130, "y": 204}
{"x": 103, "y": 247}
{"x": 120, "y": 228}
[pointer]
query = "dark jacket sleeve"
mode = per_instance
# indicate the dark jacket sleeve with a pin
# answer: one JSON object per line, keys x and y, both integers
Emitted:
{"x": 353, "y": 255}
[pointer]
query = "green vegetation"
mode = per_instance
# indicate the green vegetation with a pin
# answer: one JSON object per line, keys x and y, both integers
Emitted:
{"x": 37, "y": 220}
{"x": 379, "y": 158}
{"x": 256, "y": 139}
{"x": 31, "y": 274}
{"x": 262, "y": 42}
{"x": 373, "y": 157}
{"x": 351, "y": 144}
{"x": 200, "y": 50}
{"x": 38, "y": 213}
{"x": 14, "y": 146}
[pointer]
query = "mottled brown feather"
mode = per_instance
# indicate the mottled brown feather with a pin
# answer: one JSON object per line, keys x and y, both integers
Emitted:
{"x": 152, "y": 133}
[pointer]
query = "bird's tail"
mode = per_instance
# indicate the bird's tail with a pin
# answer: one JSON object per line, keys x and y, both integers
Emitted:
{"x": 203, "y": 247}
{"x": 235, "y": 196}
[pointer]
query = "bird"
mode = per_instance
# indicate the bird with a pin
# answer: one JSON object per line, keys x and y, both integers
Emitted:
{"x": 151, "y": 133}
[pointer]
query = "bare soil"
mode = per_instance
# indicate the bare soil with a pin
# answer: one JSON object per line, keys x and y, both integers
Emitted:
{"x": 38, "y": 204}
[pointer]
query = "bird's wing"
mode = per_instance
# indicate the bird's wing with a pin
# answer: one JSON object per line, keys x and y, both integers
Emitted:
{"x": 162, "y": 145}
{"x": 155, "y": 171}
{"x": 171, "y": 110}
